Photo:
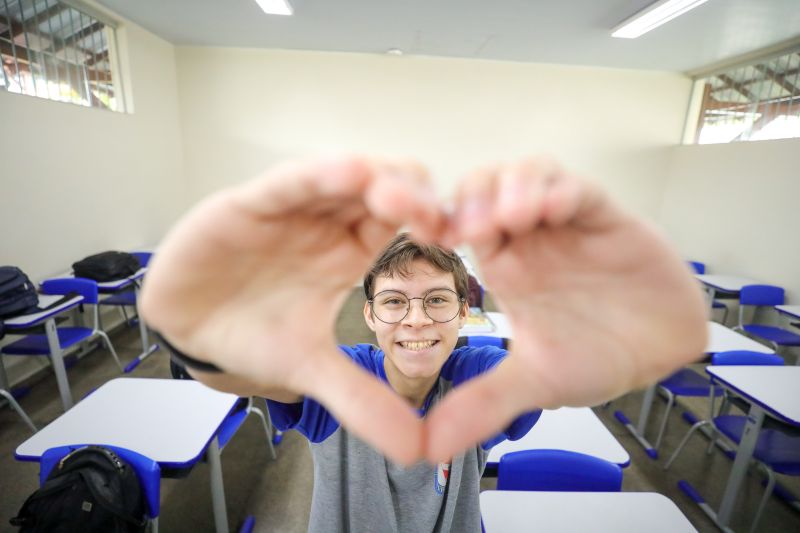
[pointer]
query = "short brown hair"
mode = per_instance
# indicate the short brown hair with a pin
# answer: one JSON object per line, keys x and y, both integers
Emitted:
{"x": 402, "y": 251}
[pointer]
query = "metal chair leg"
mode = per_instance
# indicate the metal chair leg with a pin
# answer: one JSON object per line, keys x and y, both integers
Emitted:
{"x": 13, "y": 403}
{"x": 764, "y": 498}
{"x": 678, "y": 450}
{"x": 267, "y": 425}
{"x": 665, "y": 417}
{"x": 110, "y": 348}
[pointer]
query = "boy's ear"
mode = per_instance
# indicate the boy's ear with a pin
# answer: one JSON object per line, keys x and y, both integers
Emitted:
{"x": 462, "y": 316}
{"x": 368, "y": 317}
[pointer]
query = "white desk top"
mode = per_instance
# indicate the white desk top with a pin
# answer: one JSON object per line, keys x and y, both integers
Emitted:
{"x": 568, "y": 428}
{"x": 168, "y": 420}
{"x": 793, "y": 310}
{"x": 24, "y": 321}
{"x": 725, "y": 283}
{"x": 775, "y": 388}
{"x": 579, "y": 512}
{"x": 722, "y": 339}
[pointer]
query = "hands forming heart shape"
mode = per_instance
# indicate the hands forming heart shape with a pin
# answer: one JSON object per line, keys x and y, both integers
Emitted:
{"x": 253, "y": 278}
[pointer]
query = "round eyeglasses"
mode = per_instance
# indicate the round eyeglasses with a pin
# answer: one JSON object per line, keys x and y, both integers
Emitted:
{"x": 440, "y": 305}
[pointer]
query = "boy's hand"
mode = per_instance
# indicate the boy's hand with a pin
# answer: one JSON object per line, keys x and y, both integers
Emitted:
{"x": 253, "y": 278}
{"x": 598, "y": 303}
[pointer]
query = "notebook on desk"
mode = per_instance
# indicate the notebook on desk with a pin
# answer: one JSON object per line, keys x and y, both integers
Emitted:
{"x": 477, "y": 322}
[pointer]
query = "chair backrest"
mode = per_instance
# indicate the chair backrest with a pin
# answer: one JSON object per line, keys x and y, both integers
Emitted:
{"x": 761, "y": 295}
{"x": 482, "y": 340}
{"x": 557, "y": 470}
{"x": 142, "y": 257}
{"x": 698, "y": 267}
{"x": 746, "y": 358}
{"x": 147, "y": 470}
{"x": 85, "y": 287}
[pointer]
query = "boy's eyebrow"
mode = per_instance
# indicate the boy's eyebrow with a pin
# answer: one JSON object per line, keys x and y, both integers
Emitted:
{"x": 425, "y": 292}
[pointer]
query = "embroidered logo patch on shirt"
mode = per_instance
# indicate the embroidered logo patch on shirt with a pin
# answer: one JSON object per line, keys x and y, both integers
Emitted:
{"x": 442, "y": 475}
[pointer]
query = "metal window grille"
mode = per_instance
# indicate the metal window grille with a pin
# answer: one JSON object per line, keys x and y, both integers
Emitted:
{"x": 753, "y": 102}
{"x": 54, "y": 49}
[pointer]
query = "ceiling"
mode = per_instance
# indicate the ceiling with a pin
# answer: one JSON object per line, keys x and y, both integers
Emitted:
{"x": 575, "y": 32}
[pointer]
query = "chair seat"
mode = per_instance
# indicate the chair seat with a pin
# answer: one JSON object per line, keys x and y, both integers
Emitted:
{"x": 718, "y": 305}
{"x": 777, "y": 335}
{"x": 779, "y": 451}
{"x": 121, "y": 298}
{"x": 37, "y": 344}
{"x": 687, "y": 382}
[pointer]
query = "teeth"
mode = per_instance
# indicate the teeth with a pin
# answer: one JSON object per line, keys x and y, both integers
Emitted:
{"x": 417, "y": 345}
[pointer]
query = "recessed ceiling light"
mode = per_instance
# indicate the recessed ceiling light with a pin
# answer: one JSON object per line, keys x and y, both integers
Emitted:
{"x": 275, "y": 7}
{"x": 653, "y": 16}
{"x": 394, "y": 52}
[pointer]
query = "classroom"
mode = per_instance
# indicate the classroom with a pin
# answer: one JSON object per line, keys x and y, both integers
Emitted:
{"x": 126, "y": 115}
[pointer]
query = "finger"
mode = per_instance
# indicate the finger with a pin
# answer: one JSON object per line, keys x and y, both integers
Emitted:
{"x": 366, "y": 407}
{"x": 402, "y": 194}
{"x": 578, "y": 202}
{"x": 522, "y": 190}
{"x": 475, "y": 412}
{"x": 473, "y": 220}
{"x": 296, "y": 185}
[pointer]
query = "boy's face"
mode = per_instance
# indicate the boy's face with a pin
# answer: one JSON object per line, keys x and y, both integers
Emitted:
{"x": 416, "y": 347}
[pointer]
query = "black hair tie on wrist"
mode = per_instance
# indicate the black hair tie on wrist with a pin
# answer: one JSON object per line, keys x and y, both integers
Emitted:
{"x": 187, "y": 361}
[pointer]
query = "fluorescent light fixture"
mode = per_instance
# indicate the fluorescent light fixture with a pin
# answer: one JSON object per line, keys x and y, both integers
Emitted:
{"x": 275, "y": 7}
{"x": 654, "y": 16}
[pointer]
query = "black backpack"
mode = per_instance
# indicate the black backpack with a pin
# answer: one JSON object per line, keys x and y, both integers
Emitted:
{"x": 106, "y": 266}
{"x": 90, "y": 490}
{"x": 17, "y": 293}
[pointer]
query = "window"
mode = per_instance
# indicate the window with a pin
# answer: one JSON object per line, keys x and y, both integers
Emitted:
{"x": 57, "y": 50}
{"x": 754, "y": 102}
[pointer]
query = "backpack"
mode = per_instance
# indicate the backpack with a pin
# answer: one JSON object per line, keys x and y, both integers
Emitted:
{"x": 107, "y": 266}
{"x": 90, "y": 490}
{"x": 17, "y": 293}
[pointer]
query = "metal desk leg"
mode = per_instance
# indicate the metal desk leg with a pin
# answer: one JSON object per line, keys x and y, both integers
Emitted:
{"x": 147, "y": 348}
{"x": 217, "y": 488}
{"x": 647, "y": 404}
{"x": 743, "y": 455}
{"x": 712, "y": 293}
{"x": 644, "y": 414}
{"x": 56, "y": 357}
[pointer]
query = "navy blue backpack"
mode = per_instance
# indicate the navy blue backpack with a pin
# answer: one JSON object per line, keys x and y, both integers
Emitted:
{"x": 17, "y": 292}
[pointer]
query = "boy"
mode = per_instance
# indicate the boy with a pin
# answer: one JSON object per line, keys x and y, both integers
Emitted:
{"x": 416, "y": 303}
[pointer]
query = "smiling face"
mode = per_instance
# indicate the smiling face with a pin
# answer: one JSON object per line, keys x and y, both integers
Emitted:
{"x": 416, "y": 347}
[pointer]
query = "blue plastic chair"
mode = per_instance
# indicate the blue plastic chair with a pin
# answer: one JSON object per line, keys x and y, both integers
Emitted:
{"x": 147, "y": 470}
{"x": 765, "y": 295}
{"x": 68, "y": 337}
{"x": 700, "y": 268}
{"x": 557, "y": 470}
{"x": 776, "y": 450}
{"x": 684, "y": 382}
{"x": 127, "y": 298}
{"x": 483, "y": 340}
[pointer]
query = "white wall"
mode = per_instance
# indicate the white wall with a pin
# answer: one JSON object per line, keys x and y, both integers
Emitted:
{"x": 734, "y": 207}
{"x": 243, "y": 109}
{"x": 77, "y": 181}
